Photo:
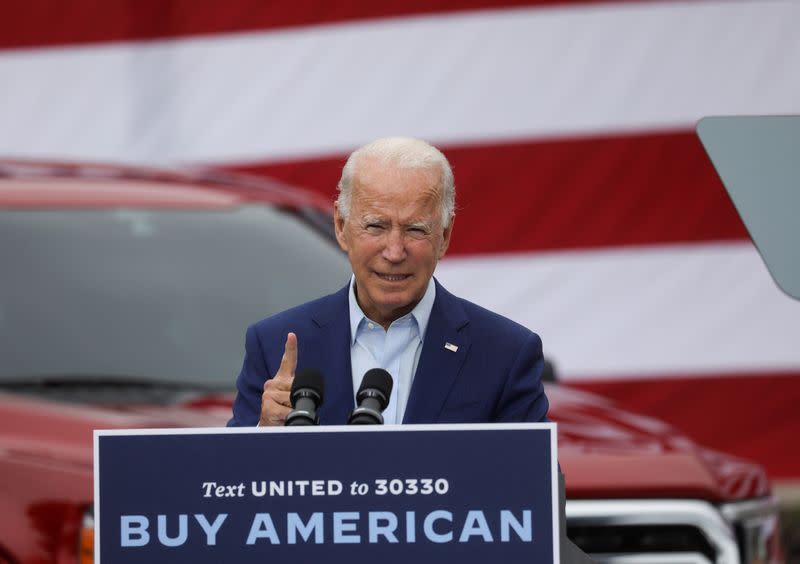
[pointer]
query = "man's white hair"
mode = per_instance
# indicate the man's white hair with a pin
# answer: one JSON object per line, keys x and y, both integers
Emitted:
{"x": 403, "y": 152}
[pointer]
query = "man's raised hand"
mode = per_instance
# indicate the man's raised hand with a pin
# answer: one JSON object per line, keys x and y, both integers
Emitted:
{"x": 276, "y": 402}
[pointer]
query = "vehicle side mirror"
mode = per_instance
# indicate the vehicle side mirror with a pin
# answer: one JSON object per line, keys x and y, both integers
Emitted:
{"x": 549, "y": 371}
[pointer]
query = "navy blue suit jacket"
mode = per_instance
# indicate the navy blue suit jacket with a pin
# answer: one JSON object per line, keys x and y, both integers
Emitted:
{"x": 494, "y": 376}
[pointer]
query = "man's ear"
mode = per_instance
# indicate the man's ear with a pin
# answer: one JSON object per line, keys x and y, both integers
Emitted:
{"x": 448, "y": 231}
{"x": 338, "y": 225}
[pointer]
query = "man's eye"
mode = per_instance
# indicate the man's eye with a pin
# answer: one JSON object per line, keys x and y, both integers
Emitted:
{"x": 374, "y": 227}
{"x": 417, "y": 231}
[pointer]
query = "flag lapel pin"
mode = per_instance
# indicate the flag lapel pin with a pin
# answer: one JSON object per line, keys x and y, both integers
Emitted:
{"x": 451, "y": 347}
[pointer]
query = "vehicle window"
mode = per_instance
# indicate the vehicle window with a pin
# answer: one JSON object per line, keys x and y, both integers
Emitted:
{"x": 156, "y": 294}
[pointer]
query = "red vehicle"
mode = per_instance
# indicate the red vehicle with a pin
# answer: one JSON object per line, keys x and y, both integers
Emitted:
{"x": 124, "y": 296}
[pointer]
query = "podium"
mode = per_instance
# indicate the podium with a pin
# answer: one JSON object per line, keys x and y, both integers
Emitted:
{"x": 390, "y": 494}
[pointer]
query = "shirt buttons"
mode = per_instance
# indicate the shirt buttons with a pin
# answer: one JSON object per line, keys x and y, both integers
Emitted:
{"x": 371, "y": 325}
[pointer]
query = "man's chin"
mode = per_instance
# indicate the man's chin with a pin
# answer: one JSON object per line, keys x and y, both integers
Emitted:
{"x": 391, "y": 301}
{"x": 394, "y": 290}
{"x": 399, "y": 301}
{"x": 391, "y": 298}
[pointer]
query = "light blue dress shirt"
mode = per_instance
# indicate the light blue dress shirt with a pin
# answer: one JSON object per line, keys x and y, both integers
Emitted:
{"x": 396, "y": 350}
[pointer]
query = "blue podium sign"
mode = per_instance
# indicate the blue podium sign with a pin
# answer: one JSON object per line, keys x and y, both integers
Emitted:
{"x": 388, "y": 494}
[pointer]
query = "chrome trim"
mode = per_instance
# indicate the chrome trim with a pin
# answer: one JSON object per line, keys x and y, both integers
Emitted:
{"x": 700, "y": 514}
{"x": 741, "y": 510}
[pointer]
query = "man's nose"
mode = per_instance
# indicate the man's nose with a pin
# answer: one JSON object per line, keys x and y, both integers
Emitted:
{"x": 395, "y": 248}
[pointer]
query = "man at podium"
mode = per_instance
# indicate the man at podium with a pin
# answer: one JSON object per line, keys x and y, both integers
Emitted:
{"x": 452, "y": 361}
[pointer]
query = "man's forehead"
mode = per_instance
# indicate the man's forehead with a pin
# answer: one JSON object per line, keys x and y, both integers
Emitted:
{"x": 373, "y": 170}
{"x": 381, "y": 201}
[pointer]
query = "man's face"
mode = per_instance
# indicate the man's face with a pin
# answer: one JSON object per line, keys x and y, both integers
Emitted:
{"x": 393, "y": 236}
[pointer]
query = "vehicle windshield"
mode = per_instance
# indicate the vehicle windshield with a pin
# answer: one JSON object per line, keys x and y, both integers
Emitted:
{"x": 160, "y": 295}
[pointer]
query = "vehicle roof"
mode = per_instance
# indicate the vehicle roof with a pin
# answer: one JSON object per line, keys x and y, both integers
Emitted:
{"x": 47, "y": 185}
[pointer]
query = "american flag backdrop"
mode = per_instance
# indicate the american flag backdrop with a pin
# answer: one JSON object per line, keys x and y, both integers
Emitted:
{"x": 587, "y": 209}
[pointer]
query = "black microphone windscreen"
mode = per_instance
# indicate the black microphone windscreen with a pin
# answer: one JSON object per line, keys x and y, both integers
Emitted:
{"x": 378, "y": 379}
{"x": 309, "y": 379}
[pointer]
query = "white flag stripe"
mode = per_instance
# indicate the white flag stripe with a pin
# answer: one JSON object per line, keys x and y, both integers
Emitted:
{"x": 454, "y": 78}
{"x": 667, "y": 310}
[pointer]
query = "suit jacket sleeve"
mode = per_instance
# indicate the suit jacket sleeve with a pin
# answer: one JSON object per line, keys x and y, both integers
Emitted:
{"x": 522, "y": 398}
{"x": 250, "y": 383}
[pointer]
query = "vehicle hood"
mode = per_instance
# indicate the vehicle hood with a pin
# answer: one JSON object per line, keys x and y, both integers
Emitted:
{"x": 604, "y": 451}
{"x": 61, "y": 433}
{"x": 607, "y": 452}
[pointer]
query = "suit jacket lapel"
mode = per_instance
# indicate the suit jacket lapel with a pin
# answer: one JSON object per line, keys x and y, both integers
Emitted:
{"x": 328, "y": 350}
{"x": 438, "y": 365}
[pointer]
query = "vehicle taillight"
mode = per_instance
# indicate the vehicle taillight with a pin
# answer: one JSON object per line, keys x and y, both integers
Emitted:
{"x": 86, "y": 539}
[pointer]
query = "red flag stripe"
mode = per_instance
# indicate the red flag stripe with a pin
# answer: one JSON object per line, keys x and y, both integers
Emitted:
{"x": 567, "y": 194}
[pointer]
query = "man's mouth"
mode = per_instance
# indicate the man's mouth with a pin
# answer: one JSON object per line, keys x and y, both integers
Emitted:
{"x": 392, "y": 277}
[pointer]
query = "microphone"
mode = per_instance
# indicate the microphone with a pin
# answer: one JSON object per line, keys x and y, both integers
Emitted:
{"x": 373, "y": 397}
{"x": 307, "y": 391}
